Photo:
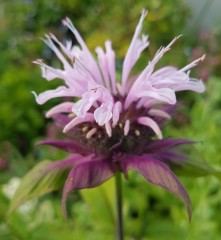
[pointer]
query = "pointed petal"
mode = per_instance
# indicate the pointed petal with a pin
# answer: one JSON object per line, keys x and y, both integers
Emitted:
{"x": 68, "y": 146}
{"x": 152, "y": 124}
{"x": 50, "y": 43}
{"x": 134, "y": 51}
{"x": 166, "y": 144}
{"x": 193, "y": 64}
{"x": 67, "y": 163}
{"x": 86, "y": 175}
{"x": 159, "y": 174}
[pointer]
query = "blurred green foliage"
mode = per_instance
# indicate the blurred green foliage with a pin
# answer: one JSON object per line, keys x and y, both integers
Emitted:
{"x": 149, "y": 212}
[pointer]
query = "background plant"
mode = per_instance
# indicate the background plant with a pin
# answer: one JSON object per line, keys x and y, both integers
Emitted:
{"x": 149, "y": 211}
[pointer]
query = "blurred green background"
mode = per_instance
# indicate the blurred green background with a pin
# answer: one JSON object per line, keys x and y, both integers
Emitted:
{"x": 149, "y": 212}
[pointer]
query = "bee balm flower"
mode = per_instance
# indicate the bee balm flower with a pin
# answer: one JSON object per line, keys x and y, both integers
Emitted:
{"x": 116, "y": 123}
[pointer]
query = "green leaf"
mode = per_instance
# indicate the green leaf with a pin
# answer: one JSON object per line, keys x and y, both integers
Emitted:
{"x": 37, "y": 182}
{"x": 101, "y": 201}
{"x": 193, "y": 168}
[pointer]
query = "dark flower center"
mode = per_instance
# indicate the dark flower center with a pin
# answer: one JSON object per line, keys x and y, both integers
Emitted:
{"x": 95, "y": 137}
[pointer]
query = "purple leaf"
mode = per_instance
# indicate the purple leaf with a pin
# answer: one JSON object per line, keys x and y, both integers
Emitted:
{"x": 165, "y": 144}
{"x": 87, "y": 175}
{"x": 69, "y": 146}
{"x": 170, "y": 156}
{"x": 159, "y": 174}
{"x": 69, "y": 162}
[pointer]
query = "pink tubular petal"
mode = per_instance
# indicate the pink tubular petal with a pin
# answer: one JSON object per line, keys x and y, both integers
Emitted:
{"x": 134, "y": 51}
{"x": 103, "y": 114}
{"x": 90, "y": 63}
{"x": 58, "y": 92}
{"x": 193, "y": 64}
{"x": 159, "y": 174}
{"x": 117, "y": 108}
{"x": 193, "y": 85}
{"x": 146, "y": 76}
{"x": 146, "y": 91}
{"x": 82, "y": 106}
{"x": 159, "y": 113}
{"x": 50, "y": 43}
{"x": 164, "y": 72}
{"x": 103, "y": 66}
{"x": 86, "y": 175}
{"x": 163, "y": 50}
{"x": 48, "y": 75}
{"x": 162, "y": 94}
{"x": 152, "y": 124}
{"x": 110, "y": 54}
{"x": 65, "y": 107}
{"x": 89, "y": 117}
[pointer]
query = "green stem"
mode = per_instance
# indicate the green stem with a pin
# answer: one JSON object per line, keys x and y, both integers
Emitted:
{"x": 119, "y": 227}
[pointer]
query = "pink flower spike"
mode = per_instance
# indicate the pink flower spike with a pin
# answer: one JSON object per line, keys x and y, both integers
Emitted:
{"x": 152, "y": 124}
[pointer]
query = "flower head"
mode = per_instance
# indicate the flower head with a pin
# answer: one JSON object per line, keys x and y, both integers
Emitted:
{"x": 115, "y": 125}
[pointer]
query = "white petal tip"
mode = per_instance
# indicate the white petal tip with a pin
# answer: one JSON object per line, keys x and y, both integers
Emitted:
{"x": 144, "y": 12}
{"x": 203, "y": 58}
